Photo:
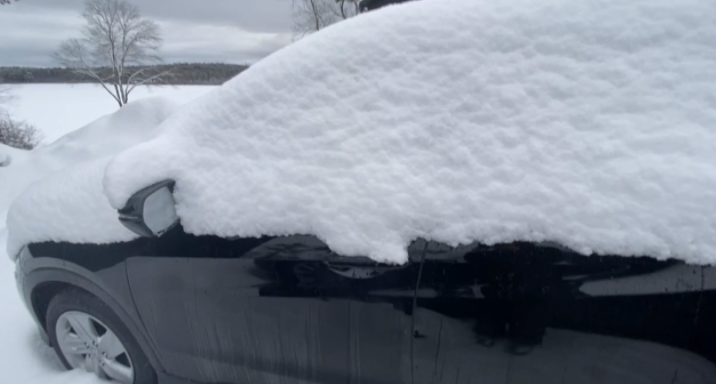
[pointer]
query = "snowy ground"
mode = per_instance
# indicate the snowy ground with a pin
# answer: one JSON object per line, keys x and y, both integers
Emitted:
{"x": 57, "y": 109}
{"x": 60, "y": 108}
{"x": 24, "y": 358}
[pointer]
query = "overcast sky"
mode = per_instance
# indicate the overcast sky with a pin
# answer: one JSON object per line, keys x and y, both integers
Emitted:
{"x": 230, "y": 31}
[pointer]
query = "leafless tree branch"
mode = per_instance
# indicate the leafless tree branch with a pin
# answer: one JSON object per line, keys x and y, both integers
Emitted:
{"x": 312, "y": 15}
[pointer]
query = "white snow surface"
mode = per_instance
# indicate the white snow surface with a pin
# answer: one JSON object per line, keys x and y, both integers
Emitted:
{"x": 9, "y": 154}
{"x": 56, "y": 109}
{"x": 591, "y": 124}
{"x": 73, "y": 210}
{"x": 63, "y": 198}
{"x": 103, "y": 137}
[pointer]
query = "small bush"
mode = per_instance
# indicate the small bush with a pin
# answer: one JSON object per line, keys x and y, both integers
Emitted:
{"x": 19, "y": 134}
{"x": 16, "y": 134}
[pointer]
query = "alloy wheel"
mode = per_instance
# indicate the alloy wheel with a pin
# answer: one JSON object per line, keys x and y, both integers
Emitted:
{"x": 89, "y": 344}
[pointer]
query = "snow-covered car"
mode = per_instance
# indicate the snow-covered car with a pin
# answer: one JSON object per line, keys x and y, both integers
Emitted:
{"x": 454, "y": 191}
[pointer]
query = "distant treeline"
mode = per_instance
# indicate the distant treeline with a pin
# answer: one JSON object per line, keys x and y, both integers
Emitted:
{"x": 182, "y": 74}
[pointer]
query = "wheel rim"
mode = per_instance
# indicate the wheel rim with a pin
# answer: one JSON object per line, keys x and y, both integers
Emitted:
{"x": 88, "y": 343}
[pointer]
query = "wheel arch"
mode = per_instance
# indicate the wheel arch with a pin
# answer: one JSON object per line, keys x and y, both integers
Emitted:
{"x": 43, "y": 284}
{"x": 42, "y": 294}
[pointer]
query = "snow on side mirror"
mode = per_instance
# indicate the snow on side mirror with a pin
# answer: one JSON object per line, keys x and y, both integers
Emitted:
{"x": 151, "y": 211}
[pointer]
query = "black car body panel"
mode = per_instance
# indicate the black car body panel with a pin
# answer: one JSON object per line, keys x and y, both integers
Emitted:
{"x": 288, "y": 310}
{"x": 583, "y": 319}
{"x": 97, "y": 269}
{"x": 254, "y": 310}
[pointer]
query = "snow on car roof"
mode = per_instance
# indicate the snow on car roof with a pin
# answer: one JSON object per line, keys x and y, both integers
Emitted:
{"x": 589, "y": 124}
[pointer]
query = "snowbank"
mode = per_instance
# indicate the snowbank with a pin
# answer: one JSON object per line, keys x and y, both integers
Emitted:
{"x": 72, "y": 200}
{"x": 8, "y": 155}
{"x": 591, "y": 124}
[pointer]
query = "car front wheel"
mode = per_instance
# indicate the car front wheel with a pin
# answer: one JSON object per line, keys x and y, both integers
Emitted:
{"x": 87, "y": 334}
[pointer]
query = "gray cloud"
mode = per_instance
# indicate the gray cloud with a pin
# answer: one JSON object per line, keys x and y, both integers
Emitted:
{"x": 234, "y": 31}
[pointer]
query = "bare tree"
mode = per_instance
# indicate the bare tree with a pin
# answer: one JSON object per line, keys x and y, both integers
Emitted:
{"x": 118, "y": 48}
{"x": 3, "y": 2}
{"x": 312, "y": 15}
{"x": 348, "y": 8}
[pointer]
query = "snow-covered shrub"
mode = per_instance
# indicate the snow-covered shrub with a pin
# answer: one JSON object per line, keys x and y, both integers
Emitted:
{"x": 19, "y": 134}
{"x": 16, "y": 134}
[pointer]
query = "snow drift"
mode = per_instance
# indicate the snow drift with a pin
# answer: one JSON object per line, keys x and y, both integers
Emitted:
{"x": 65, "y": 196}
{"x": 591, "y": 124}
{"x": 9, "y": 154}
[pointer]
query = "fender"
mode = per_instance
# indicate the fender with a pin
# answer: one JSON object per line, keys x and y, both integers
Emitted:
{"x": 109, "y": 284}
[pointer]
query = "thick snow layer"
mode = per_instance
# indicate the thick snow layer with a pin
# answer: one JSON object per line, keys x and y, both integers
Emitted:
{"x": 70, "y": 205}
{"x": 588, "y": 123}
{"x": 73, "y": 212}
{"x": 103, "y": 137}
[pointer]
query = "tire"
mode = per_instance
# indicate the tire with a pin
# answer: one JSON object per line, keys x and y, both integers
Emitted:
{"x": 77, "y": 301}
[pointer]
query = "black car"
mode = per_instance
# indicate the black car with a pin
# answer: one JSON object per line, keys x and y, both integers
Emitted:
{"x": 171, "y": 307}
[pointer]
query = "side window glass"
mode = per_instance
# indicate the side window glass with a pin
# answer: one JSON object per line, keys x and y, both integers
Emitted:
{"x": 296, "y": 247}
{"x": 438, "y": 251}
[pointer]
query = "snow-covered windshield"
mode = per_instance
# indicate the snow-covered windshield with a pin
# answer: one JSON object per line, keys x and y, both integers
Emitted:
{"x": 589, "y": 124}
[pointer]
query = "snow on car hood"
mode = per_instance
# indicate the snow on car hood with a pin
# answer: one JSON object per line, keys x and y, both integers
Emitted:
{"x": 591, "y": 124}
{"x": 77, "y": 211}
{"x": 56, "y": 195}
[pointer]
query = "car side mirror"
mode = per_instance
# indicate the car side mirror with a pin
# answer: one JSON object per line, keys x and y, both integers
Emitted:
{"x": 151, "y": 211}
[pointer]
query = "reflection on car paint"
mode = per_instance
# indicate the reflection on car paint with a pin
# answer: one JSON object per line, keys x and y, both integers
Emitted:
{"x": 288, "y": 310}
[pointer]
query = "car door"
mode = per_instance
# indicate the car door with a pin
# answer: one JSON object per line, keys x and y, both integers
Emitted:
{"x": 274, "y": 310}
{"x": 528, "y": 313}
